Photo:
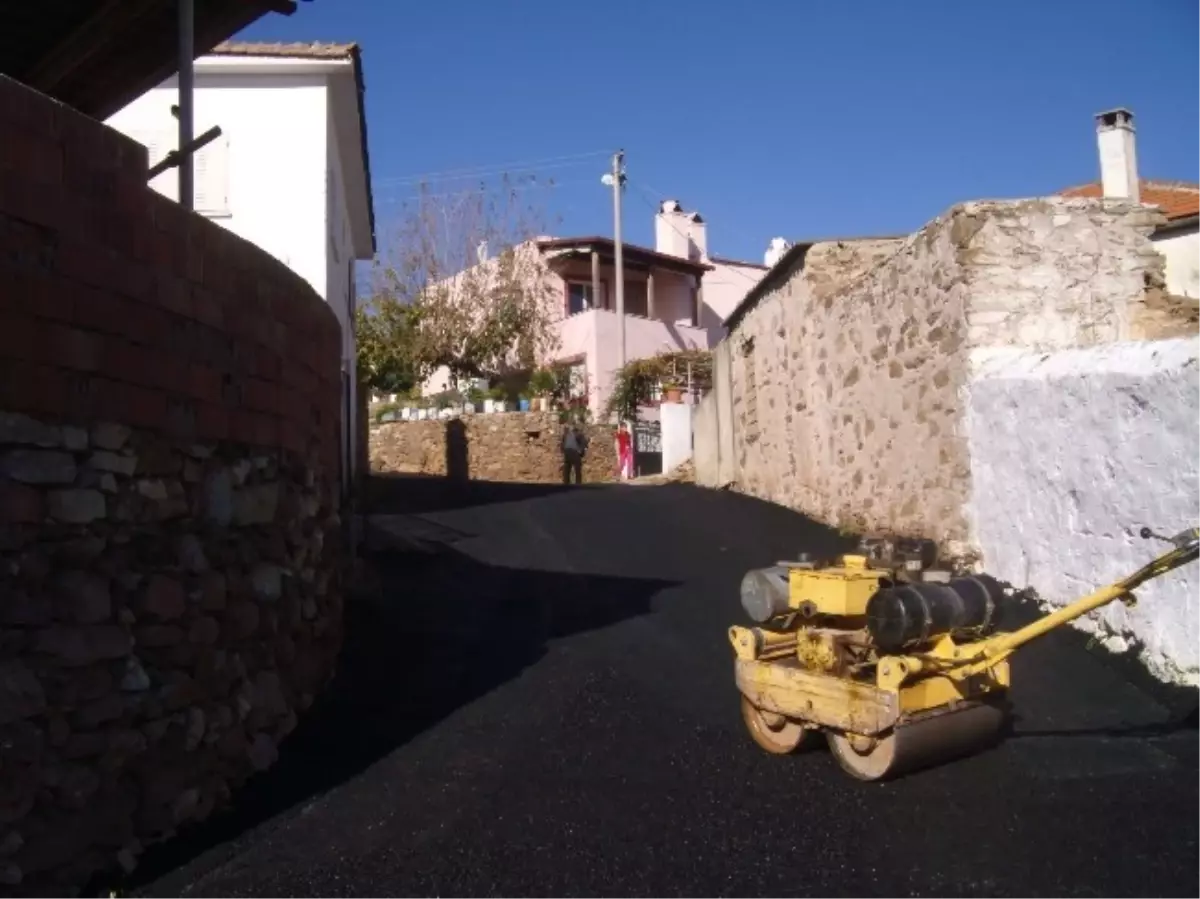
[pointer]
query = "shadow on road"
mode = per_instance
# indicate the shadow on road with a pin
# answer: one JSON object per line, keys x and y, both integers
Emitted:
{"x": 436, "y": 631}
{"x": 404, "y": 494}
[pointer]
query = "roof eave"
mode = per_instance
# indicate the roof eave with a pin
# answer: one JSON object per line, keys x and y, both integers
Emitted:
{"x": 94, "y": 70}
{"x": 1182, "y": 223}
{"x": 632, "y": 251}
{"x": 775, "y": 276}
{"x": 786, "y": 264}
{"x": 360, "y": 90}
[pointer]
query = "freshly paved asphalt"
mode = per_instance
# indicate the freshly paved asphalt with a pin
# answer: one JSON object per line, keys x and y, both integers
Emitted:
{"x": 539, "y": 701}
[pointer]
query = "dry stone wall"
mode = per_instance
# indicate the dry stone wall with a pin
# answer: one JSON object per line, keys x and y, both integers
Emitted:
{"x": 501, "y": 446}
{"x": 847, "y": 380}
{"x": 167, "y": 612}
{"x": 1053, "y": 274}
{"x": 170, "y": 543}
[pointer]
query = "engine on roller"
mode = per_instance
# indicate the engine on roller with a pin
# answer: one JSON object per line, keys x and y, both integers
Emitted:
{"x": 888, "y": 596}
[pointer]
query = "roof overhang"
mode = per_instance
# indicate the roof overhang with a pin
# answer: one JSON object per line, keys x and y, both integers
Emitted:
{"x": 630, "y": 253}
{"x": 99, "y": 57}
{"x": 1177, "y": 226}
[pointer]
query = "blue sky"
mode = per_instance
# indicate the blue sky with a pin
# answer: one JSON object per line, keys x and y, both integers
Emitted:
{"x": 799, "y": 119}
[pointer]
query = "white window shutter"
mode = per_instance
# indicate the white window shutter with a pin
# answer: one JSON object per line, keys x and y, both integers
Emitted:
{"x": 210, "y": 170}
{"x": 158, "y": 144}
{"x": 211, "y": 177}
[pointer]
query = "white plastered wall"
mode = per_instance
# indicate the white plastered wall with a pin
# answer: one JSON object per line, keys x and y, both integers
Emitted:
{"x": 1072, "y": 453}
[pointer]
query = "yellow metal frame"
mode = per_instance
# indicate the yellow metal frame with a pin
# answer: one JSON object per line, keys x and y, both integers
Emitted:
{"x": 844, "y": 590}
{"x": 768, "y": 674}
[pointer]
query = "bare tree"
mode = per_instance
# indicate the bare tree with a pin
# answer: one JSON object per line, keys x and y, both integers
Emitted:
{"x": 476, "y": 290}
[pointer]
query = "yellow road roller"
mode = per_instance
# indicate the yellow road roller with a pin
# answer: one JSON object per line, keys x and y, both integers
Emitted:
{"x": 898, "y": 661}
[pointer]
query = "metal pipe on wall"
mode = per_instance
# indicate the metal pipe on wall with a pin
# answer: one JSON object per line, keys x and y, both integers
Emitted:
{"x": 187, "y": 88}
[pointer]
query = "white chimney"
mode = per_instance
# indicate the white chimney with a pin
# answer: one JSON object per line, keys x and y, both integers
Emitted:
{"x": 1118, "y": 155}
{"x": 679, "y": 233}
{"x": 775, "y": 251}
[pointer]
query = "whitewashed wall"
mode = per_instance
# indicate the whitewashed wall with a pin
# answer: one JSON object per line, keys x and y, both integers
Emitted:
{"x": 1182, "y": 253}
{"x": 1072, "y": 453}
{"x": 676, "y": 420}
{"x": 707, "y": 448}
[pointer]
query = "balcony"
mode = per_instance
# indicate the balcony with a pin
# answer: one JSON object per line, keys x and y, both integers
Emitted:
{"x": 593, "y": 338}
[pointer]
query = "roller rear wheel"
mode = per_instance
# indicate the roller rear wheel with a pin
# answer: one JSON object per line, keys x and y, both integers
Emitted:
{"x": 774, "y": 733}
{"x": 919, "y": 744}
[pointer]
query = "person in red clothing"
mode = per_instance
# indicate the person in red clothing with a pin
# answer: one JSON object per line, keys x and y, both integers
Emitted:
{"x": 624, "y": 451}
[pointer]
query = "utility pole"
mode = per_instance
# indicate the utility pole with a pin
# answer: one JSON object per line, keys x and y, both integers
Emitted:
{"x": 186, "y": 24}
{"x": 618, "y": 181}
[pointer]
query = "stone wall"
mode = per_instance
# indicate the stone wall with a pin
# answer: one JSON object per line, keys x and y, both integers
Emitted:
{"x": 501, "y": 446}
{"x": 844, "y": 396}
{"x": 169, "y": 537}
{"x": 1072, "y": 453}
{"x": 847, "y": 380}
{"x": 1050, "y": 274}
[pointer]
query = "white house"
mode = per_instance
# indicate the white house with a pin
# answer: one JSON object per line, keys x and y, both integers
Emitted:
{"x": 289, "y": 173}
{"x": 1178, "y": 239}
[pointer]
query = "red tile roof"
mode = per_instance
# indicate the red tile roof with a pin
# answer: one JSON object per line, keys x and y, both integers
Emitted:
{"x": 1176, "y": 199}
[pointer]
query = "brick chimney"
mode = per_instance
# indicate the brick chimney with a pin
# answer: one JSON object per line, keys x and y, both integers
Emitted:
{"x": 1118, "y": 155}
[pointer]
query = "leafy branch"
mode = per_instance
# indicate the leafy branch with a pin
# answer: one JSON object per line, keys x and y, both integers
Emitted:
{"x": 461, "y": 286}
{"x": 636, "y": 383}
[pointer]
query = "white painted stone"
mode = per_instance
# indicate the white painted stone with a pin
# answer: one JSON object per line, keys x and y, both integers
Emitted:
{"x": 1073, "y": 452}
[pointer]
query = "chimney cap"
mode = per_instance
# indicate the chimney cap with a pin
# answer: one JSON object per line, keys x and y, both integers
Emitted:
{"x": 1114, "y": 118}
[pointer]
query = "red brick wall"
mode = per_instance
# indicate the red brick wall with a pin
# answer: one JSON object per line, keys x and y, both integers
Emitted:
{"x": 171, "y": 553}
{"x": 117, "y": 304}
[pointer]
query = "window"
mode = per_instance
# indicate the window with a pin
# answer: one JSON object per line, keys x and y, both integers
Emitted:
{"x": 579, "y": 297}
{"x": 210, "y": 170}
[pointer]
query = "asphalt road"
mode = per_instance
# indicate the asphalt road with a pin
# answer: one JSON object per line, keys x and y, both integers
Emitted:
{"x": 539, "y": 701}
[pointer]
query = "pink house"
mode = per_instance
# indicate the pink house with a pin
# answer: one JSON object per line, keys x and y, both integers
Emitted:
{"x": 676, "y": 297}
{"x": 662, "y": 306}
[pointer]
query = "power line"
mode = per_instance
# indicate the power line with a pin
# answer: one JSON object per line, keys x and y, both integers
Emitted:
{"x": 520, "y": 177}
{"x": 646, "y": 198}
{"x": 541, "y": 185}
{"x": 491, "y": 169}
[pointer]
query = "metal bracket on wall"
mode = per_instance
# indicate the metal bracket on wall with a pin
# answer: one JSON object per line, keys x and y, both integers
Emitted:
{"x": 173, "y": 158}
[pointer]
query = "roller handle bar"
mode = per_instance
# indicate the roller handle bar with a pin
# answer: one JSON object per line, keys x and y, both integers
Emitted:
{"x": 1186, "y": 549}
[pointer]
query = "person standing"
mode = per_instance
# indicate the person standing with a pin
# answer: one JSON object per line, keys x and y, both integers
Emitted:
{"x": 624, "y": 451}
{"x": 573, "y": 445}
